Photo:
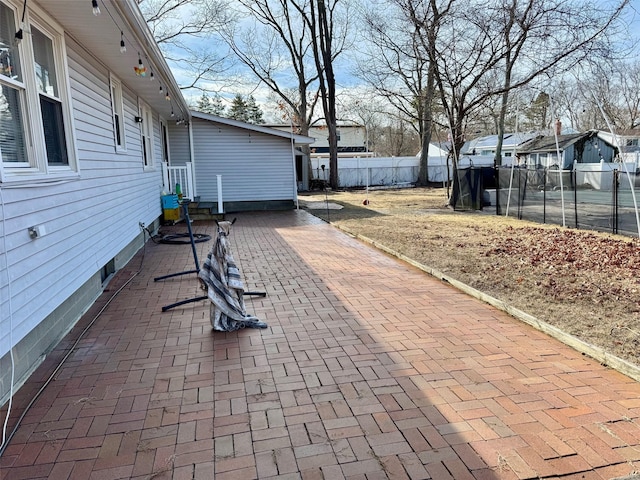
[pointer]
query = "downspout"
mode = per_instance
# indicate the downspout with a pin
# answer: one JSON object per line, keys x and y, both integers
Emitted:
{"x": 295, "y": 184}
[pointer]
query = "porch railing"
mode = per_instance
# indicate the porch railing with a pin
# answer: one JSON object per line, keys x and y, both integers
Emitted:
{"x": 183, "y": 175}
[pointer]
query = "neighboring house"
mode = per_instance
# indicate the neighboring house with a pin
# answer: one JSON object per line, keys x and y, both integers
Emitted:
{"x": 437, "y": 152}
{"x": 352, "y": 140}
{"x": 82, "y": 139}
{"x": 487, "y": 146}
{"x": 578, "y": 148}
{"x": 255, "y": 164}
{"x": 627, "y": 140}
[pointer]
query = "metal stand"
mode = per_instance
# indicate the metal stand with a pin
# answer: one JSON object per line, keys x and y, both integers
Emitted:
{"x": 184, "y": 203}
{"x": 185, "y": 207}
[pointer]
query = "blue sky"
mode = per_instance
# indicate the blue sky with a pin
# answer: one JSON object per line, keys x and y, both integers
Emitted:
{"x": 344, "y": 78}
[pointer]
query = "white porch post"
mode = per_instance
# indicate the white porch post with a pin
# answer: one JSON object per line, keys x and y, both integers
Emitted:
{"x": 191, "y": 184}
{"x": 165, "y": 177}
{"x": 220, "y": 204}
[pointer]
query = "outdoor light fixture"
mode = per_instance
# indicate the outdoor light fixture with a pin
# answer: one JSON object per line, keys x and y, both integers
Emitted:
{"x": 138, "y": 119}
{"x": 96, "y": 8}
{"x": 123, "y": 47}
{"x": 20, "y": 33}
{"x": 140, "y": 70}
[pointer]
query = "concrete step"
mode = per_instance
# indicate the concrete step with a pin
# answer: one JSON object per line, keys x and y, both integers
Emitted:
{"x": 204, "y": 211}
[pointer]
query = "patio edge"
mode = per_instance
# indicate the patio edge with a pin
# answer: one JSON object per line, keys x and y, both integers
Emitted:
{"x": 606, "y": 359}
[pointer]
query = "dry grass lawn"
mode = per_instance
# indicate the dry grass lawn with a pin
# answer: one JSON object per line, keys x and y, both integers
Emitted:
{"x": 585, "y": 283}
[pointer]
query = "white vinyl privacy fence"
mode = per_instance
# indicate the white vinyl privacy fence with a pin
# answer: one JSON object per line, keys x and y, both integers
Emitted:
{"x": 379, "y": 171}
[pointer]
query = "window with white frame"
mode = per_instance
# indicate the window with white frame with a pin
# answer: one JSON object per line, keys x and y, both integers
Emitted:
{"x": 146, "y": 130}
{"x": 117, "y": 109}
{"x": 164, "y": 141}
{"x": 34, "y": 108}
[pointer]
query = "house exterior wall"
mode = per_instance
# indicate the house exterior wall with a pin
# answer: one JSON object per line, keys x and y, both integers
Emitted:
{"x": 256, "y": 168}
{"x": 588, "y": 150}
{"x": 540, "y": 159}
{"x": 89, "y": 221}
{"x": 594, "y": 150}
{"x": 598, "y": 152}
{"x": 179, "y": 153}
{"x": 568, "y": 157}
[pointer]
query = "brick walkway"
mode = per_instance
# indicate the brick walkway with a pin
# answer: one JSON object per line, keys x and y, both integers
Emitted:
{"x": 369, "y": 369}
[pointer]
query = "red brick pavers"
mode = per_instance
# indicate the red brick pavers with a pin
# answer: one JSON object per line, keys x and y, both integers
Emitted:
{"x": 369, "y": 369}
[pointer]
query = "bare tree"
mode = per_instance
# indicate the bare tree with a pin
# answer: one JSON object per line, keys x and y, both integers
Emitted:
{"x": 399, "y": 62}
{"x": 273, "y": 41}
{"x": 611, "y": 86}
{"x": 300, "y": 36}
{"x": 184, "y": 30}
{"x": 321, "y": 18}
{"x": 615, "y": 88}
{"x": 364, "y": 107}
{"x": 481, "y": 50}
{"x": 534, "y": 45}
{"x": 397, "y": 139}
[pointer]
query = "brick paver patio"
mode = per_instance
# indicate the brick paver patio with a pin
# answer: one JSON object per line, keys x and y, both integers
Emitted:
{"x": 370, "y": 369}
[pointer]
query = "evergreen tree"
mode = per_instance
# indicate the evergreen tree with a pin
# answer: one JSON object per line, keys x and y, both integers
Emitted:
{"x": 213, "y": 106}
{"x": 204, "y": 104}
{"x": 217, "y": 107}
{"x": 537, "y": 115}
{"x": 238, "y": 109}
{"x": 254, "y": 112}
{"x": 245, "y": 110}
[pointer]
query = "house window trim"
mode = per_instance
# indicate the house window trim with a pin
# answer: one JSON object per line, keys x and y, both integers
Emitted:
{"x": 146, "y": 136}
{"x": 117, "y": 101}
{"x": 165, "y": 147}
{"x": 38, "y": 168}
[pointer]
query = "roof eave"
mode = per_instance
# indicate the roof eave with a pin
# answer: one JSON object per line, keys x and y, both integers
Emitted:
{"x": 298, "y": 139}
{"x": 133, "y": 14}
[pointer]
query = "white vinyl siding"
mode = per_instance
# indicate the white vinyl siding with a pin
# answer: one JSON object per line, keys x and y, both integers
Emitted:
{"x": 179, "y": 144}
{"x": 254, "y": 166}
{"x": 88, "y": 221}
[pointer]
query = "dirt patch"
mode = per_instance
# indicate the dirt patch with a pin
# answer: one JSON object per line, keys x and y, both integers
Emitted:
{"x": 585, "y": 283}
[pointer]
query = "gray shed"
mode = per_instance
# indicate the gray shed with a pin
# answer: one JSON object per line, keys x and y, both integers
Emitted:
{"x": 259, "y": 168}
